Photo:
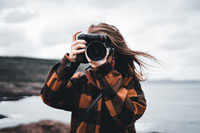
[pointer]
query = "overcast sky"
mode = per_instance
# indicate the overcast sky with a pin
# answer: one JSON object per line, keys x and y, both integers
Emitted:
{"x": 167, "y": 29}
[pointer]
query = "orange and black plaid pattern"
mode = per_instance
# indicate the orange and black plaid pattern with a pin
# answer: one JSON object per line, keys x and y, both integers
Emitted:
{"x": 123, "y": 96}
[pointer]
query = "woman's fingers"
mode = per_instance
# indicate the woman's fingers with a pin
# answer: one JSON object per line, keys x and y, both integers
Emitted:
{"x": 78, "y": 46}
{"x": 74, "y": 35}
{"x": 75, "y": 52}
{"x": 80, "y": 51}
{"x": 78, "y": 42}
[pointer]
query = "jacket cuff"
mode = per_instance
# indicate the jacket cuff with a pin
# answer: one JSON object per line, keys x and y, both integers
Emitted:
{"x": 103, "y": 69}
{"x": 66, "y": 59}
{"x": 67, "y": 67}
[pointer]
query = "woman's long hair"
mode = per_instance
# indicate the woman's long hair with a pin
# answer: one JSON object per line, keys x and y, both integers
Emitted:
{"x": 124, "y": 57}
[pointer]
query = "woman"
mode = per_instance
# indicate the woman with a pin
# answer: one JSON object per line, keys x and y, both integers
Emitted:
{"x": 115, "y": 76}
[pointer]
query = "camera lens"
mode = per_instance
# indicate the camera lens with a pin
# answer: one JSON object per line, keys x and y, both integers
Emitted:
{"x": 96, "y": 50}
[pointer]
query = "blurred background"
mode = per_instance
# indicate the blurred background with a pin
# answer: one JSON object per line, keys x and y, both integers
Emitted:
{"x": 35, "y": 34}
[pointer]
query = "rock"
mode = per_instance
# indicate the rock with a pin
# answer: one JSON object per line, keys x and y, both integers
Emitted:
{"x": 17, "y": 90}
{"x": 2, "y": 116}
{"x": 44, "y": 126}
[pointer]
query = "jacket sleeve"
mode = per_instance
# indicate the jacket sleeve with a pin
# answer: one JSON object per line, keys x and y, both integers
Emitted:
{"x": 124, "y": 97}
{"x": 60, "y": 88}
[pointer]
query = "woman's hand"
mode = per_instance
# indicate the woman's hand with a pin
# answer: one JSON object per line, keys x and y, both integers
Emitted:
{"x": 76, "y": 45}
{"x": 97, "y": 63}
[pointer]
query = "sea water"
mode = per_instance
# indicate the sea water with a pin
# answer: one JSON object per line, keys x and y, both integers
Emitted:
{"x": 171, "y": 108}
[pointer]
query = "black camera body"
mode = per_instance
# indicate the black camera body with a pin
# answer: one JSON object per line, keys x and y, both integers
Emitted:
{"x": 96, "y": 47}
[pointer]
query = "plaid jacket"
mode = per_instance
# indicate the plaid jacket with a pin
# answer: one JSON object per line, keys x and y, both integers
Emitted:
{"x": 67, "y": 90}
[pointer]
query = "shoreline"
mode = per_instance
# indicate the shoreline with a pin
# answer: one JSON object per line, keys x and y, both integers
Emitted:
{"x": 43, "y": 126}
{"x": 12, "y": 91}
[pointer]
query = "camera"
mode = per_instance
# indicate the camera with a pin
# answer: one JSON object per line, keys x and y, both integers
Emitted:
{"x": 96, "y": 47}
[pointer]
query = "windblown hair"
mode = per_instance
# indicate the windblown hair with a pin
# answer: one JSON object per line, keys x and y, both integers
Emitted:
{"x": 124, "y": 57}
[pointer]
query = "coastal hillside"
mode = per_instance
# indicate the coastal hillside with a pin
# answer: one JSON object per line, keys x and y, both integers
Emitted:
{"x": 22, "y": 76}
{"x": 23, "y": 69}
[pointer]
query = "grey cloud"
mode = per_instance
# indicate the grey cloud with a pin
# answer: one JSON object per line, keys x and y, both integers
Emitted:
{"x": 184, "y": 38}
{"x": 102, "y": 4}
{"x": 107, "y": 3}
{"x": 190, "y": 65}
{"x": 18, "y": 16}
{"x": 10, "y": 36}
{"x": 4, "y": 4}
{"x": 190, "y": 58}
{"x": 59, "y": 33}
{"x": 183, "y": 41}
{"x": 179, "y": 26}
{"x": 185, "y": 9}
{"x": 54, "y": 37}
{"x": 191, "y": 5}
